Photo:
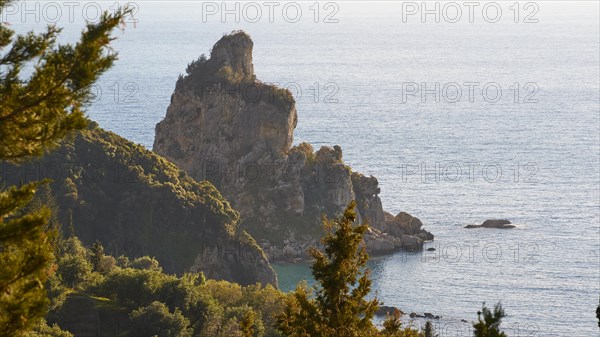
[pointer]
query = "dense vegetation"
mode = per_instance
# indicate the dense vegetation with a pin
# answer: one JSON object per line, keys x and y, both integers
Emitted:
{"x": 136, "y": 298}
{"x": 34, "y": 115}
{"x": 137, "y": 203}
{"x": 50, "y": 283}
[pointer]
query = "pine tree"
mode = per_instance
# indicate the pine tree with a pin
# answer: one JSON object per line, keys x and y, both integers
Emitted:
{"x": 35, "y": 115}
{"x": 339, "y": 307}
{"x": 97, "y": 254}
{"x": 489, "y": 326}
{"x": 429, "y": 331}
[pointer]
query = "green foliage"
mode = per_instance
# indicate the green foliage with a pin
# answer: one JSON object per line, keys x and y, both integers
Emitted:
{"x": 34, "y": 115}
{"x": 339, "y": 307}
{"x": 156, "y": 320}
{"x": 268, "y": 302}
{"x": 226, "y": 293}
{"x": 56, "y": 291}
{"x": 247, "y": 325}
{"x": 75, "y": 270}
{"x": 145, "y": 263}
{"x": 392, "y": 327}
{"x": 242, "y": 321}
{"x": 97, "y": 255}
{"x": 192, "y": 296}
{"x": 26, "y": 257}
{"x": 211, "y": 307}
{"x": 392, "y": 324}
{"x": 122, "y": 261}
{"x": 488, "y": 322}
{"x": 190, "y": 305}
{"x": 196, "y": 64}
{"x": 38, "y": 112}
{"x": 429, "y": 331}
{"x": 42, "y": 329}
{"x": 106, "y": 264}
{"x": 265, "y": 303}
{"x": 133, "y": 287}
{"x": 73, "y": 265}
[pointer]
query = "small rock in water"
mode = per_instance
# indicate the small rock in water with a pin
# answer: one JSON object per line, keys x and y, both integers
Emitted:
{"x": 499, "y": 223}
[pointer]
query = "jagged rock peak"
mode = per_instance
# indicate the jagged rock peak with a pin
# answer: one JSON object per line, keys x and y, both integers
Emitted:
{"x": 230, "y": 62}
{"x": 234, "y": 50}
{"x": 220, "y": 115}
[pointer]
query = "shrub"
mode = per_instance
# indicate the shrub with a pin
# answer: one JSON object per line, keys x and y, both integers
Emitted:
{"x": 145, "y": 262}
{"x": 75, "y": 270}
{"x": 156, "y": 320}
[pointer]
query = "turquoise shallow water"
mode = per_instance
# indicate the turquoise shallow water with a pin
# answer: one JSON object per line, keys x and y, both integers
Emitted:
{"x": 535, "y": 162}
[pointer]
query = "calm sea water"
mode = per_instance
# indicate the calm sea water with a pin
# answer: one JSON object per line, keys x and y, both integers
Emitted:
{"x": 532, "y": 157}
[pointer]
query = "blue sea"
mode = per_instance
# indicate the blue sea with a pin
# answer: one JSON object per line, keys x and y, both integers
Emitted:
{"x": 493, "y": 113}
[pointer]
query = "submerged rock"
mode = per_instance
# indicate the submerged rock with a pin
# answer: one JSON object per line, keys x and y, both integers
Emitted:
{"x": 497, "y": 224}
{"x": 502, "y": 224}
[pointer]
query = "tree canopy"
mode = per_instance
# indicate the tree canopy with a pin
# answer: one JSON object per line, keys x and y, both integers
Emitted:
{"x": 35, "y": 114}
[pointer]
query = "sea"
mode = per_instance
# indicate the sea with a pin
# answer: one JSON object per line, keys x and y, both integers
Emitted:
{"x": 464, "y": 111}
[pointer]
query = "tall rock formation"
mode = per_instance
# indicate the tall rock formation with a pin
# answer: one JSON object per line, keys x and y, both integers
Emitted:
{"x": 226, "y": 127}
{"x": 138, "y": 203}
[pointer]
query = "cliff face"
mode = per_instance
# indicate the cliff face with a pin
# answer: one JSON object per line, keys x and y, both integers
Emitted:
{"x": 226, "y": 127}
{"x": 138, "y": 203}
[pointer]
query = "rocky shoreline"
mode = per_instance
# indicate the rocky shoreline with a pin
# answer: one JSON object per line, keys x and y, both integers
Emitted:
{"x": 403, "y": 233}
{"x": 385, "y": 310}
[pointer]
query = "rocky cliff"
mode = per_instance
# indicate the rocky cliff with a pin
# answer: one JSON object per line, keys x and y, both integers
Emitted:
{"x": 226, "y": 127}
{"x": 138, "y": 203}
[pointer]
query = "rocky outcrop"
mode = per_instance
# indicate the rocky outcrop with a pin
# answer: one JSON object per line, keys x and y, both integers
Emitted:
{"x": 427, "y": 315}
{"x": 138, "y": 203}
{"x": 386, "y": 310}
{"x": 499, "y": 223}
{"x": 226, "y": 127}
{"x": 405, "y": 224}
